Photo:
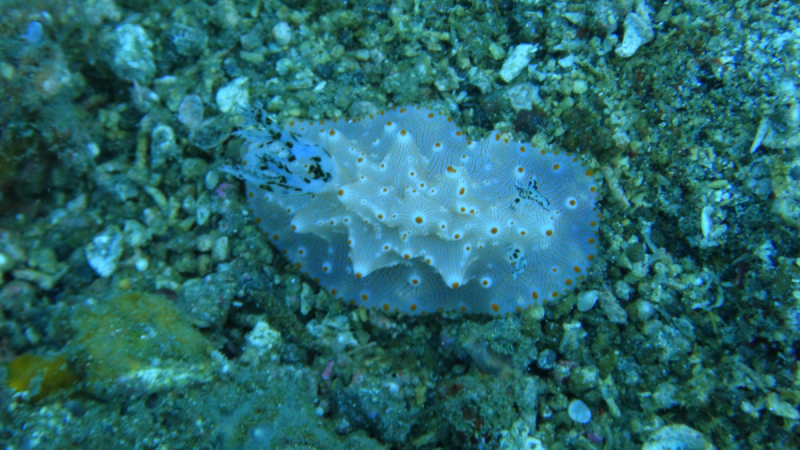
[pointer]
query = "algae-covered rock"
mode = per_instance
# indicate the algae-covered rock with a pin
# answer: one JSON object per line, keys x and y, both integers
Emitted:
{"x": 37, "y": 377}
{"x": 137, "y": 343}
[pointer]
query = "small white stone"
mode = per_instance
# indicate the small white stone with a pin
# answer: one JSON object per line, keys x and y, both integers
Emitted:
{"x": 579, "y": 412}
{"x": 567, "y": 61}
{"x": 220, "y": 252}
{"x": 638, "y": 31}
{"x": 516, "y": 61}
{"x": 587, "y": 300}
{"x": 263, "y": 337}
{"x": 781, "y": 408}
{"x": 233, "y": 96}
{"x": 282, "y": 33}
{"x": 580, "y": 87}
{"x": 104, "y": 252}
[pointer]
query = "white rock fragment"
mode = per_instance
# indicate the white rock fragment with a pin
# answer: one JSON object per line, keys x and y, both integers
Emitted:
{"x": 638, "y": 31}
{"x": 221, "y": 250}
{"x": 781, "y": 408}
{"x": 705, "y": 221}
{"x": 263, "y": 338}
{"x": 524, "y": 96}
{"x": 233, "y": 96}
{"x": 677, "y": 436}
{"x": 580, "y": 87}
{"x": 579, "y": 412}
{"x": 516, "y": 61}
{"x": 282, "y": 33}
{"x": 587, "y": 300}
{"x": 105, "y": 250}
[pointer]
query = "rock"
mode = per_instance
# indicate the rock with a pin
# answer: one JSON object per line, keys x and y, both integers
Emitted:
{"x": 638, "y": 31}
{"x": 677, "y": 437}
{"x": 516, "y": 61}
{"x": 133, "y": 59}
{"x": 105, "y": 250}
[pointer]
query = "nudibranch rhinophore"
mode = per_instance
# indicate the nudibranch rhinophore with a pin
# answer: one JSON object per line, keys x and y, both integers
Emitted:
{"x": 400, "y": 211}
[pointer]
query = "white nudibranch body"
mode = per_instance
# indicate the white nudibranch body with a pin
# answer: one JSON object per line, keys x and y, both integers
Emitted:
{"x": 400, "y": 211}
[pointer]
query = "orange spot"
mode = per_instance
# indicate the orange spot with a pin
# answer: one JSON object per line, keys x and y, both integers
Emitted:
{"x": 300, "y": 251}
{"x": 358, "y": 274}
{"x": 334, "y": 291}
{"x": 494, "y": 230}
{"x": 324, "y": 268}
{"x": 591, "y": 240}
{"x": 497, "y": 137}
{"x": 428, "y": 260}
{"x": 258, "y": 219}
{"x": 413, "y": 306}
{"x": 576, "y": 269}
{"x": 463, "y": 309}
{"x": 555, "y": 166}
{"x": 593, "y": 189}
{"x": 462, "y": 191}
{"x": 385, "y": 307}
{"x": 250, "y": 194}
{"x": 569, "y": 282}
{"x": 388, "y": 124}
{"x": 535, "y": 295}
{"x": 519, "y": 309}
{"x": 364, "y": 297}
{"x": 341, "y": 192}
{"x": 572, "y": 202}
{"x": 274, "y": 237}
{"x": 589, "y": 173}
{"x": 485, "y": 282}
{"x": 415, "y": 281}
{"x": 380, "y": 216}
{"x": 418, "y": 220}
{"x": 457, "y": 236}
{"x": 333, "y": 133}
{"x": 298, "y": 265}
{"x": 402, "y": 132}
{"x": 455, "y": 285}
{"x": 449, "y": 119}
{"x": 451, "y": 169}
{"x": 591, "y": 257}
{"x": 522, "y": 232}
{"x": 522, "y": 149}
{"x": 463, "y": 209}
{"x": 291, "y": 124}
{"x": 458, "y": 133}
{"x": 592, "y": 223}
{"x": 294, "y": 228}
{"x": 495, "y": 307}
{"x": 402, "y": 110}
{"x": 244, "y": 163}
{"x": 505, "y": 140}
{"x": 360, "y": 159}
{"x": 549, "y": 232}
{"x": 430, "y": 115}
{"x": 555, "y": 294}
{"x": 520, "y": 170}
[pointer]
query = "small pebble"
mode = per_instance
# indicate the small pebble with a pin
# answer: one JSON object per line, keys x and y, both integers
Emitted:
{"x": 282, "y": 33}
{"x": 587, "y": 300}
{"x": 579, "y": 412}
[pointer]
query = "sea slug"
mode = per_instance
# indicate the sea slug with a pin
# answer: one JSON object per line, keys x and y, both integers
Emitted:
{"x": 401, "y": 211}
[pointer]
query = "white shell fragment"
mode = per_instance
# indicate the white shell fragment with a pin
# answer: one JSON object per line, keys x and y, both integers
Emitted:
{"x": 104, "y": 251}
